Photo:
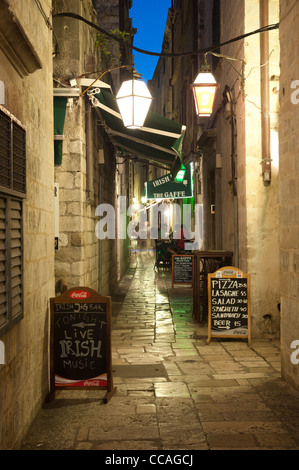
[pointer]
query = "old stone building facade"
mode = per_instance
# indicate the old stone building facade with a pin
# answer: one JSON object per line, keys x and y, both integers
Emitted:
{"x": 113, "y": 16}
{"x": 26, "y": 208}
{"x": 289, "y": 190}
{"x": 240, "y": 171}
{"x": 77, "y": 254}
{"x": 245, "y": 151}
{"x": 89, "y": 174}
{"x": 50, "y": 186}
{"x": 240, "y": 209}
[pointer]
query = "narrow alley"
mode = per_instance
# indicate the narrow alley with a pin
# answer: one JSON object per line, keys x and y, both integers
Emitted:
{"x": 174, "y": 392}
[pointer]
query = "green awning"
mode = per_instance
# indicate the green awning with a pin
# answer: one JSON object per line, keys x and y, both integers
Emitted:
{"x": 170, "y": 187}
{"x": 158, "y": 141}
{"x": 59, "y": 118}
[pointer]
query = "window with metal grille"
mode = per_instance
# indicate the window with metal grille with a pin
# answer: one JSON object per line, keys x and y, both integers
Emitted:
{"x": 12, "y": 192}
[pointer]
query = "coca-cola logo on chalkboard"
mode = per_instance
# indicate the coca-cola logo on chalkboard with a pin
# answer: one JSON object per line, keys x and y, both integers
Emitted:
{"x": 79, "y": 294}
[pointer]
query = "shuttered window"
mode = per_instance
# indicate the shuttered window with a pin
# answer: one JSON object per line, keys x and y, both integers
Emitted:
{"x": 12, "y": 192}
{"x": 5, "y": 150}
{"x": 12, "y": 155}
{"x": 3, "y": 288}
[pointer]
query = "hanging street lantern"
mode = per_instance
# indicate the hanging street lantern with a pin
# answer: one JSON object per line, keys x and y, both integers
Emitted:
{"x": 134, "y": 100}
{"x": 204, "y": 91}
{"x": 181, "y": 174}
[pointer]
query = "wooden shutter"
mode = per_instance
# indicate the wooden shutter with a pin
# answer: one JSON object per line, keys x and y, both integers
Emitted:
{"x": 11, "y": 262}
{"x": 12, "y": 155}
{"x": 5, "y": 150}
{"x": 13, "y": 190}
{"x": 3, "y": 277}
{"x": 16, "y": 258}
{"x": 19, "y": 158}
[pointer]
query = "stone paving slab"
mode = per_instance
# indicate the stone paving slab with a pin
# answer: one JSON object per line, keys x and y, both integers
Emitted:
{"x": 223, "y": 396}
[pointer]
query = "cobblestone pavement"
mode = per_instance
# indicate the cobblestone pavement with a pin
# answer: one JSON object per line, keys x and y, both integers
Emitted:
{"x": 174, "y": 392}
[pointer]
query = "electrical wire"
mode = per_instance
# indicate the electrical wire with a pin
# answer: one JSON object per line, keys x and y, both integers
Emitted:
{"x": 260, "y": 66}
{"x": 225, "y": 56}
{"x": 42, "y": 11}
{"x": 103, "y": 73}
{"x": 48, "y": 22}
{"x": 167, "y": 54}
{"x": 228, "y": 59}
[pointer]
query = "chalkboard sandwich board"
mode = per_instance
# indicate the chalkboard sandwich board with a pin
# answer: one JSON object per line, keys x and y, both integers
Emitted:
{"x": 182, "y": 269}
{"x": 80, "y": 341}
{"x": 229, "y": 304}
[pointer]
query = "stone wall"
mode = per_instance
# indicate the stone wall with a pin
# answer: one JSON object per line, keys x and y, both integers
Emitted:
{"x": 262, "y": 199}
{"x": 245, "y": 220}
{"x": 289, "y": 189}
{"x": 77, "y": 256}
{"x": 28, "y": 96}
{"x": 108, "y": 247}
{"x": 250, "y": 219}
{"x": 113, "y": 16}
{"x": 82, "y": 259}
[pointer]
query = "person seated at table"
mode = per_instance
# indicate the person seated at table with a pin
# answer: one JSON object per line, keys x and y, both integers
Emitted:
{"x": 178, "y": 244}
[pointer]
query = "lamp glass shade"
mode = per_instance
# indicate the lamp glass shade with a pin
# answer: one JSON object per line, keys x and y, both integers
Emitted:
{"x": 180, "y": 176}
{"x": 134, "y": 100}
{"x": 204, "y": 90}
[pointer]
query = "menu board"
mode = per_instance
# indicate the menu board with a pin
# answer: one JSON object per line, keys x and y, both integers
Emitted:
{"x": 81, "y": 340}
{"x": 182, "y": 269}
{"x": 229, "y": 304}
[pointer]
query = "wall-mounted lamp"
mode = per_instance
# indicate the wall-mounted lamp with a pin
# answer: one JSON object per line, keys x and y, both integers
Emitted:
{"x": 134, "y": 100}
{"x": 180, "y": 176}
{"x": 204, "y": 91}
